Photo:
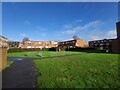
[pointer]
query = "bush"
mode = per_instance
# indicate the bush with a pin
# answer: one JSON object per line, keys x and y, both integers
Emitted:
{"x": 52, "y": 49}
{"x": 88, "y": 50}
{"x": 45, "y": 49}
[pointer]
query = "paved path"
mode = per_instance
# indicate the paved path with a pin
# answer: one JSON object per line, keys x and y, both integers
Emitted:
{"x": 21, "y": 74}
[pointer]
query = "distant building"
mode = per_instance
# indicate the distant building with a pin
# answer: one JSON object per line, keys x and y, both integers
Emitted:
{"x": 15, "y": 44}
{"x": 39, "y": 44}
{"x": 3, "y": 41}
{"x": 105, "y": 44}
{"x": 110, "y": 45}
{"x": 51, "y": 44}
{"x": 72, "y": 44}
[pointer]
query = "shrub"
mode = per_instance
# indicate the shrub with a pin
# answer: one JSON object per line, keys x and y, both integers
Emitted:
{"x": 52, "y": 49}
{"x": 45, "y": 49}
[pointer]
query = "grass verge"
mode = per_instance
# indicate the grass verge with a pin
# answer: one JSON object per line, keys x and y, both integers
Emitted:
{"x": 91, "y": 70}
{"x": 40, "y": 54}
{"x": 9, "y": 63}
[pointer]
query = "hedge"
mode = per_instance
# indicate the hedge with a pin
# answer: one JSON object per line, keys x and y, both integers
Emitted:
{"x": 88, "y": 50}
{"x": 23, "y": 49}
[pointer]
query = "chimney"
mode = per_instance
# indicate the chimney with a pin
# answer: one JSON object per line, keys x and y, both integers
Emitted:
{"x": 118, "y": 23}
{"x": 118, "y": 29}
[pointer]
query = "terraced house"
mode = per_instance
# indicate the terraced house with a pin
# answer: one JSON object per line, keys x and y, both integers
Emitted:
{"x": 39, "y": 44}
{"x": 105, "y": 44}
{"x": 110, "y": 45}
{"x": 72, "y": 44}
{"x": 15, "y": 44}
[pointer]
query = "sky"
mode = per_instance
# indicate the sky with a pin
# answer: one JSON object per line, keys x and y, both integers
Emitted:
{"x": 59, "y": 21}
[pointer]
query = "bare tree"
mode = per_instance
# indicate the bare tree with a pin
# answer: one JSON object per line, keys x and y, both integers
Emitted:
{"x": 25, "y": 39}
{"x": 75, "y": 37}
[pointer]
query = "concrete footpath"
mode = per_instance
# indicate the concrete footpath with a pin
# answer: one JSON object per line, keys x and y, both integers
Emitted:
{"x": 21, "y": 74}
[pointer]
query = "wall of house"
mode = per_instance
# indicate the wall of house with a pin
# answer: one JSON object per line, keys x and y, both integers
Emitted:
{"x": 116, "y": 46}
{"x": 38, "y": 44}
{"x": 3, "y": 60}
{"x": 118, "y": 29}
{"x": 14, "y": 44}
{"x": 81, "y": 43}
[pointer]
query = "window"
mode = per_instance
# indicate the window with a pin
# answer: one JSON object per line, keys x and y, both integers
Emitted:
{"x": 40, "y": 46}
{"x": 73, "y": 41}
{"x": 46, "y": 46}
{"x": 29, "y": 47}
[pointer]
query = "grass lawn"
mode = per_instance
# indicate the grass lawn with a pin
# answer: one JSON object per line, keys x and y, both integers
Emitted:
{"x": 92, "y": 70}
{"x": 9, "y": 63}
{"x": 39, "y": 54}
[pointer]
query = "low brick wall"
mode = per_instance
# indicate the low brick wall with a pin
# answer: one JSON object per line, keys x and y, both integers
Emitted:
{"x": 3, "y": 57}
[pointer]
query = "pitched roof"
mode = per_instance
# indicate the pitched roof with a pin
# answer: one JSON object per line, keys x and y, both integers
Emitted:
{"x": 3, "y": 37}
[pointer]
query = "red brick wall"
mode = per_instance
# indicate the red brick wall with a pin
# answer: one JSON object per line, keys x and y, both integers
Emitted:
{"x": 81, "y": 43}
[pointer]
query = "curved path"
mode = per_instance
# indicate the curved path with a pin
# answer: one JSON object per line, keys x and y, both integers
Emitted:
{"x": 22, "y": 73}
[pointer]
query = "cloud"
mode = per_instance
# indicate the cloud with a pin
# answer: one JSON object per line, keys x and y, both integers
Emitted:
{"x": 79, "y": 20}
{"x": 23, "y": 35}
{"x": 40, "y": 29}
{"x": 43, "y": 34}
{"x": 111, "y": 34}
{"x": 26, "y": 22}
{"x": 98, "y": 35}
{"x": 94, "y": 30}
{"x": 68, "y": 32}
{"x": 71, "y": 29}
{"x": 68, "y": 26}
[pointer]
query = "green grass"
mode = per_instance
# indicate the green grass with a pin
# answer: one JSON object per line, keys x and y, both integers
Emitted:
{"x": 34, "y": 54}
{"x": 87, "y": 70}
{"x": 9, "y": 63}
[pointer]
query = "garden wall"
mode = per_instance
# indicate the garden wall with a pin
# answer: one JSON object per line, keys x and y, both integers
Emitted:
{"x": 3, "y": 57}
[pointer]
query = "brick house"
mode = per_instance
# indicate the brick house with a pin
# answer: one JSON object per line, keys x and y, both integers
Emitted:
{"x": 3, "y": 52}
{"x": 39, "y": 44}
{"x": 112, "y": 45}
{"x": 116, "y": 42}
{"x": 72, "y": 44}
{"x": 105, "y": 44}
{"x": 15, "y": 44}
{"x": 51, "y": 44}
